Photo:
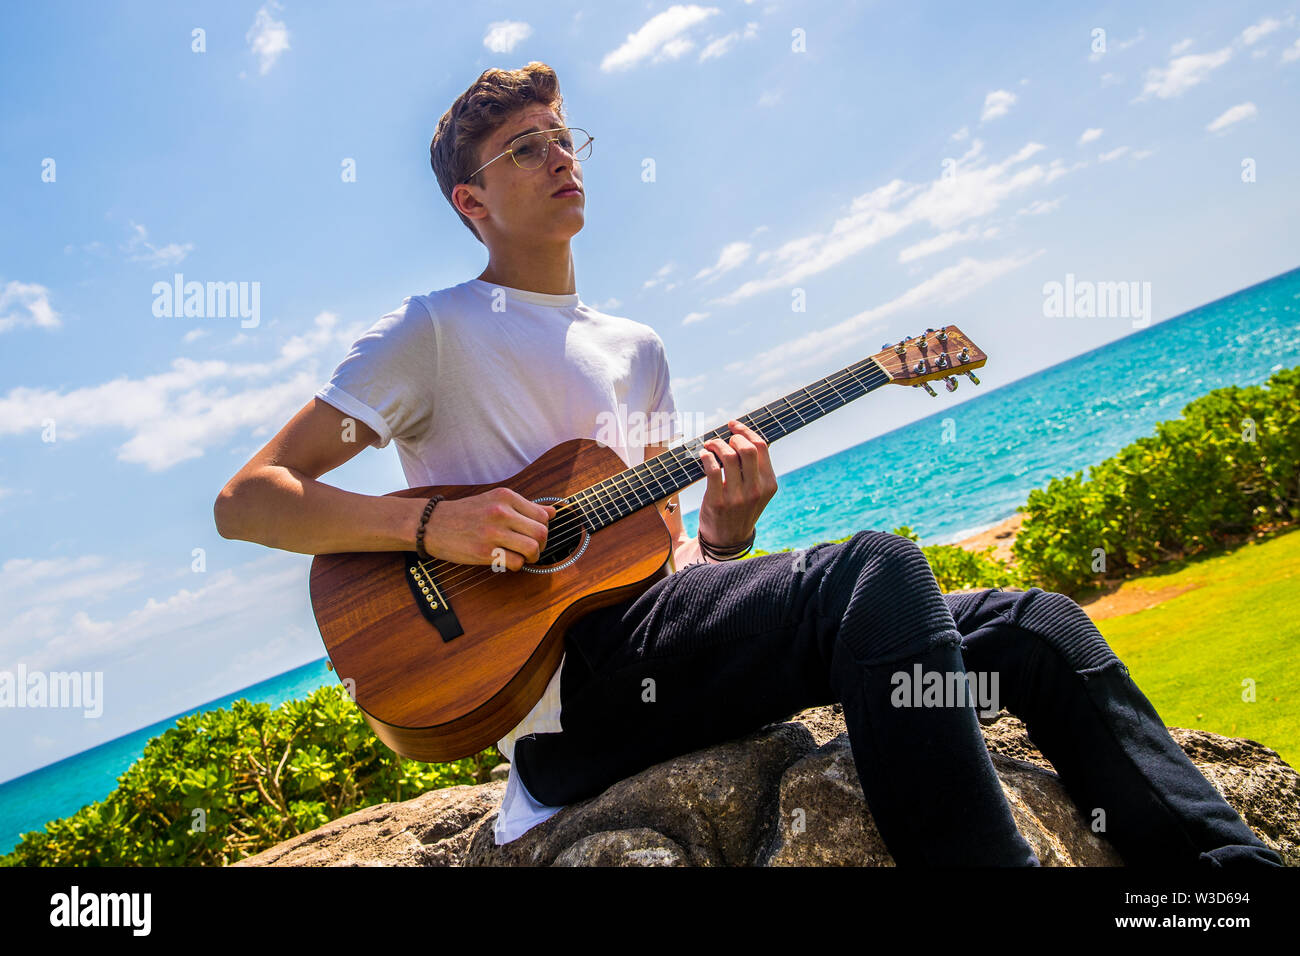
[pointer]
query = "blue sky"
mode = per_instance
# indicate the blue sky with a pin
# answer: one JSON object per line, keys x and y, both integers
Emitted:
{"x": 896, "y": 166}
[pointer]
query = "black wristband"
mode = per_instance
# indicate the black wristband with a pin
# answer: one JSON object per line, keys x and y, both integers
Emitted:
{"x": 733, "y": 553}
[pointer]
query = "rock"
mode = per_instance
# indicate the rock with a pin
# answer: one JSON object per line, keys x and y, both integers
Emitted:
{"x": 786, "y": 795}
{"x": 636, "y": 847}
{"x": 432, "y": 829}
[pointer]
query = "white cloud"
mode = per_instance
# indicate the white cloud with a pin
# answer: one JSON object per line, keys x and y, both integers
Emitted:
{"x": 1259, "y": 30}
{"x": 1040, "y": 207}
{"x": 139, "y": 249}
{"x": 1115, "y": 153}
{"x": 267, "y": 38}
{"x": 944, "y": 287}
{"x": 997, "y": 103}
{"x": 1182, "y": 46}
{"x": 720, "y": 45}
{"x": 504, "y": 35}
{"x": 1292, "y": 52}
{"x": 658, "y": 277}
{"x": 926, "y": 247}
{"x": 693, "y": 317}
{"x": 26, "y": 303}
{"x": 945, "y": 204}
{"x": 1183, "y": 73}
{"x": 660, "y": 37}
{"x": 732, "y": 255}
{"x": 1089, "y": 135}
{"x": 961, "y": 134}
{"x": 1242, "y": 111}
{"x": 51, "y": 623}
{"x": 178, "y": 414}
{"x": 769, "y": 98}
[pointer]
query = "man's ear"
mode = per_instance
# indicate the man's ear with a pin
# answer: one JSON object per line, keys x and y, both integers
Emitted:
{"x": 471, "y": 202}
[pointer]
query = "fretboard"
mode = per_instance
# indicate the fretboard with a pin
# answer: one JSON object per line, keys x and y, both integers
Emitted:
{"x": 665, "y": 474}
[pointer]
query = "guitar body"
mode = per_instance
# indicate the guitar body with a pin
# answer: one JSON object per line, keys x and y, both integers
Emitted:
{"x": 446, "y": 690}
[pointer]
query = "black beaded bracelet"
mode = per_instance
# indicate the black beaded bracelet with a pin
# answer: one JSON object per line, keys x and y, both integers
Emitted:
{"x": 419, "y": 535}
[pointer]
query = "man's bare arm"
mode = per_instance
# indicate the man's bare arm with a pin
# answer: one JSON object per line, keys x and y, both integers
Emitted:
{"x": 276, "y": 500}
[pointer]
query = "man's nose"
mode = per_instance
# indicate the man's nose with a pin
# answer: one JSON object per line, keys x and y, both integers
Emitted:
{"x": 560, "y": 157}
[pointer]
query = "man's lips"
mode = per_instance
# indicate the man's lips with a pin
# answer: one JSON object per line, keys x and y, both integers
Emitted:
{"x": 566, "y": 192}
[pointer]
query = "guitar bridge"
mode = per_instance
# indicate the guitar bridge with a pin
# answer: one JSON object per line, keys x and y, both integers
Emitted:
{"x": 430, "y": 598}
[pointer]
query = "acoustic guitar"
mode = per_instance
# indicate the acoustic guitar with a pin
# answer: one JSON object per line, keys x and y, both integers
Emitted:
{"x": 444, "y": 659}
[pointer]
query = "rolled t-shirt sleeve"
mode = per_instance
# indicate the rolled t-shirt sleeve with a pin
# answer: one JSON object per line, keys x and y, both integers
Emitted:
{"x": 386, "y": 380}
{"x": 662, "y": 420}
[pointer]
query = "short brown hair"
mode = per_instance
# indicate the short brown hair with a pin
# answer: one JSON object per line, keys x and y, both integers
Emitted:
{"x": 477, "y": 113}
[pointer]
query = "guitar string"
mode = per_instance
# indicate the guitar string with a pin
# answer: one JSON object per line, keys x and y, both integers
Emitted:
{"x": 470, "y": 572}
{"x": 872, "y": 379}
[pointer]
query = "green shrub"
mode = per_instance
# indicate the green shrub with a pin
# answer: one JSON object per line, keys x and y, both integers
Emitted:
{"x": 259, "y": 775}
{"x": 1229, "y": 466}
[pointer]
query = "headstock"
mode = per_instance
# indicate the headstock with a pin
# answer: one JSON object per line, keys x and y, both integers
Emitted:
{"x": 934, "y": 354}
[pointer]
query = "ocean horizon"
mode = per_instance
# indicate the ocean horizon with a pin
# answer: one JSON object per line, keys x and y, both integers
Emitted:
{"x": 1047, "y": 424}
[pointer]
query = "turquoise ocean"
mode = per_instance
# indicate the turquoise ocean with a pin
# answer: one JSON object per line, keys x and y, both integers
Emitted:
{"x": 1010, "y": 440}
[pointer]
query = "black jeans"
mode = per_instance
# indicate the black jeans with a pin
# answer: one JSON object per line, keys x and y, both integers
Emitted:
{"x": 714, "y": 652}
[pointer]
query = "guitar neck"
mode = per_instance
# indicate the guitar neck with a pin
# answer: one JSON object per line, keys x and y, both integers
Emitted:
{"x": 663, "y": 475}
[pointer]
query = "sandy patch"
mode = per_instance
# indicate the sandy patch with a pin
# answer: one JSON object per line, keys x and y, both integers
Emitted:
{"x": 1002, "y": 536}
{"x": 1130, "y": 599}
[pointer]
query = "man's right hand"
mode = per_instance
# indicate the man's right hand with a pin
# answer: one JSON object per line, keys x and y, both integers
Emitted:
{"x": 496, "y": 525}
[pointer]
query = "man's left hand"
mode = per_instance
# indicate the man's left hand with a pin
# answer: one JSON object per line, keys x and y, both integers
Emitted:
{"x": 740, "y": 484}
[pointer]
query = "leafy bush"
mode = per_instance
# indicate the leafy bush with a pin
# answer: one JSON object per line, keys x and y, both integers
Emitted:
{"x": 955, "y": 568}
{"x": 1228, "y": 467}
{"x": 259, "y": 775}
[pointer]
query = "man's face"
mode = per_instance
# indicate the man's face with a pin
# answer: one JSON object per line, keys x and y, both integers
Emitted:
{"x": 521, "y": 203}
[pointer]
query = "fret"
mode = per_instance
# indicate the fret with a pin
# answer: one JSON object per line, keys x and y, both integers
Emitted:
{"x": 603, "y": 503}
{"x": 654, "y": 479}
{"x": 585, "y": 516}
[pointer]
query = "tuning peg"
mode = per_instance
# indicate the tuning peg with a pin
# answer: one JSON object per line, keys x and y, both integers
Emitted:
{"x": 950, "y": 383}
{"x": 900, "y": 348}
{"x": 971, "y": 376}
{"x": 942, "y": 335}
{"x": 928, "y": 390}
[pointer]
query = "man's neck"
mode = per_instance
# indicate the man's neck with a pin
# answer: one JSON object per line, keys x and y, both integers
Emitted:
{"x": 533, "y": 271}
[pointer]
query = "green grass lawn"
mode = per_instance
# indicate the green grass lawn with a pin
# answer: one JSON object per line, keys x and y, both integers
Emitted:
{"x": 1190, "y": 654}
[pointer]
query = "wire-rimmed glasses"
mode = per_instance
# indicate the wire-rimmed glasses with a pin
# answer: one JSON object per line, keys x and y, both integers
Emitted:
{"x": 530, "y": 150}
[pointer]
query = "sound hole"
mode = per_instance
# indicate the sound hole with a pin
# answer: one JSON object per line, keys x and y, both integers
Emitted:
{"x": 564, "y": 535}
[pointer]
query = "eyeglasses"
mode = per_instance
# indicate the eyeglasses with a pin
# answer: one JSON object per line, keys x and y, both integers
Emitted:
{"x": 530, "y": 150}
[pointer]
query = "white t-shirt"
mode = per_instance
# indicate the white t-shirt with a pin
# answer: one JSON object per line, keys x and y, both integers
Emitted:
{"x": 477, "y": 381}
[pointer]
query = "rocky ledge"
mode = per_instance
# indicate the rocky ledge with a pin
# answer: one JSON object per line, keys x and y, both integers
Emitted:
{"x": 786, "y": 795}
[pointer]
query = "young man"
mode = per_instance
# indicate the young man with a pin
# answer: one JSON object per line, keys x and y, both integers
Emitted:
{"x": 476, "y": 381}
